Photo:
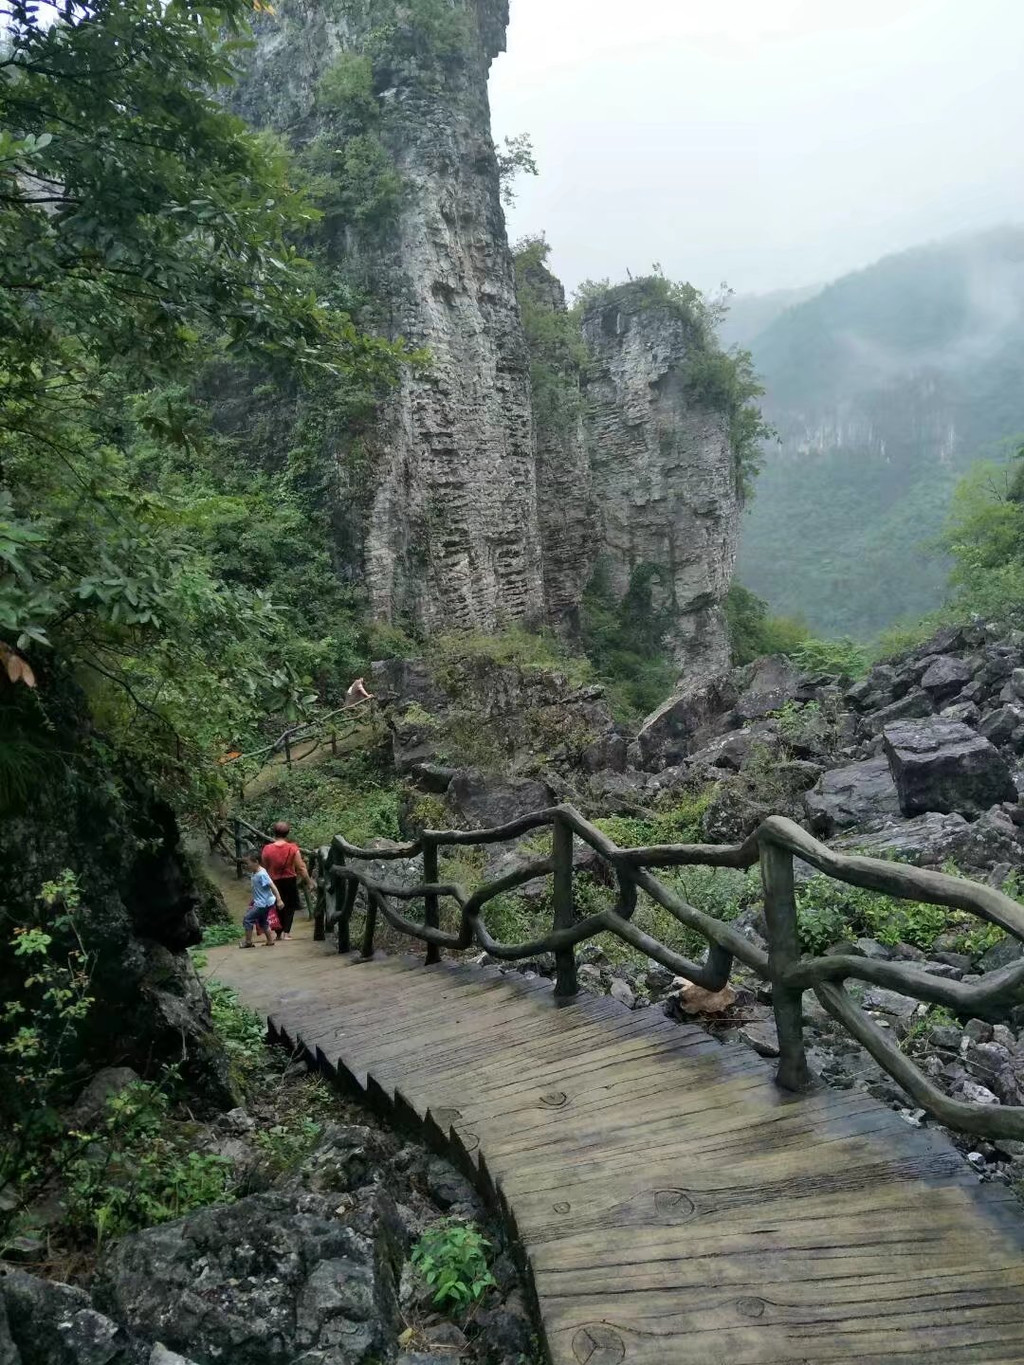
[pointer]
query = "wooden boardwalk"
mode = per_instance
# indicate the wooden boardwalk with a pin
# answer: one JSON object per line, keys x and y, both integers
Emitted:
{"x": 673, "y": 1205}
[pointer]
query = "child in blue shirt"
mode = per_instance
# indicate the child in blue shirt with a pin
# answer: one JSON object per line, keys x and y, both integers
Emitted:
{"x": 264, "y": 896}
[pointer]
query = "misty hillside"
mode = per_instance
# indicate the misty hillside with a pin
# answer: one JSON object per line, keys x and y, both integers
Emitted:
{"x": 750, "y": 314}
{"x": 883, "y": 388}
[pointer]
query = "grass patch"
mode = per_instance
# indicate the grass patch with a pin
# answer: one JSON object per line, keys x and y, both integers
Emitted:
{"x": 354, "y": 795}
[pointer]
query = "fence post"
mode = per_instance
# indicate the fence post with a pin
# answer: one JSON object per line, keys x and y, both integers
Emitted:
{"x": 784, "y": 952}
{"x": 431, "y": 908}
{"x": 323, "y": 881}
{"x": 566, "y": 984}
{"x": 370, "y": 927}
{"x": 348, "y": 906}
{"x": 288, "y": 748}
{"x": 334, "y": 742}
{"x": 238, "y": 851}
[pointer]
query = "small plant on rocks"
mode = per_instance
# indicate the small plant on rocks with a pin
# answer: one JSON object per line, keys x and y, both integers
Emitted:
{"x": 452, "y": 1258}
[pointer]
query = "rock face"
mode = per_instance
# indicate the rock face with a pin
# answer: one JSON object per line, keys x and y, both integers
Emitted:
{"x": 448, "y": 536}
{"x": 662, "y": 472}
{"x": 138, "y": 904}
{"x": 260, "y": 1282}
{"x": 476, "y": 498}
{"x": 944, "y": 765}
{"x": 566, "y": 511}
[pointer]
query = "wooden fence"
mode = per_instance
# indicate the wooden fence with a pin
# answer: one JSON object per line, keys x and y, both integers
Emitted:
{"x": 325, "y": 729}
{"x": 774, "y": 845}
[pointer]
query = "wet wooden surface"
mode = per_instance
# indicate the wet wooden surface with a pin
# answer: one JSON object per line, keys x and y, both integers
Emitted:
{"x": 674, "y": 1206}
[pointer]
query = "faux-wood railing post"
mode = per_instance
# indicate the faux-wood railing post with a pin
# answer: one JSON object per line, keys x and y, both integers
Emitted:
{"x": 238, "y": 851}
{"x": 322, "y": 881}
{"x": 784, "y": 952}
{"x": 431, "y": 908}
{"x": 566, "y": 984}
{"x": 348, "y": 905}
{"x": 369, "y": 927}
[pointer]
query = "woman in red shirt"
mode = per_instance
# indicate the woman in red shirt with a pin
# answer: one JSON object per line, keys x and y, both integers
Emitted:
{"x": 284, "y": 861}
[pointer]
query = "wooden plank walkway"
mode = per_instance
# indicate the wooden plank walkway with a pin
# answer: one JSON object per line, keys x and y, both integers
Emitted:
{"x": 673, "y": 1205}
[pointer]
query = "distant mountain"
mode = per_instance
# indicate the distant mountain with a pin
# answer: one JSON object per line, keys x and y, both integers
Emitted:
{"x": 884, "y": 387}
{"x": 750, "y": 314}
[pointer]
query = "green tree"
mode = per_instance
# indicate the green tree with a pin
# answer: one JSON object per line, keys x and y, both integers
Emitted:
{"x": 985, "y": 537}
{"x": 144, "y": 234}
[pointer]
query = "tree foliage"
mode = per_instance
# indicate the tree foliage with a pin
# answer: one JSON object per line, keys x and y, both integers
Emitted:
{"x": 146, "y": 234}
{"x": 985, "y": 538}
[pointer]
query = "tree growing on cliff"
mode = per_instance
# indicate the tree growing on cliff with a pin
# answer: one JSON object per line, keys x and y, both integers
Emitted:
{"x": 143, "y": 231}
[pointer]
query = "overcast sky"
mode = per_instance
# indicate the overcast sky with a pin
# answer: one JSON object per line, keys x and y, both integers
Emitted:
{"x": 766, "y": 143}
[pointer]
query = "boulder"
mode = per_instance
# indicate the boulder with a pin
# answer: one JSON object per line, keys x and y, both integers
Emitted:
{"x": 56, "y": 1324}
{"x": 727, "y": 751}
{"x": 964, "y": 711}
{"x": 762, "y": 1036}
{"x": 852, "y": 796}
{"x": 914, "y": 705}
{"x": 160, "y": 1355}
{"x": 432, "y": 777}
{"x": 998, "y": 726}
{"x": 605, "y": 754}
{"x": 771, "y": 683}
{"x": 944, "y": 677}
{"x": 623, "y": 993}
{"x": 943, "y": 765}
{"x": 733, "y": 812}
{"x": 104, "y": 1085}
{"x": 688, "y": 999}
{"x": 258, "y": 1282}
{"x": 668, "y": 735}
{"x": 1002, "y": 954}
{"x": 344, "y": 1158}
{"x": 508, "y": 1331}
{"x": 446, "y": 1187}
{"x": 484, "y": 801}
{"x": 872, "y": 691}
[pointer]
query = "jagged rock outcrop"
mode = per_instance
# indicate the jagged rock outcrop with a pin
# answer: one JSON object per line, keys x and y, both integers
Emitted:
{"x": 479, "y": 497}
{"x": 449, "y": 534}
{"x": 567, "y": 515}
{"x": 662, "y": 471}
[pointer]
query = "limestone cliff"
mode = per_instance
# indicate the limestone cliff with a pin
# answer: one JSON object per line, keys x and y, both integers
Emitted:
{"x": 449, "y": 537}
{"x": 566, "y": 512}
{"x": 662, "y": 470}
{"x": 534, "y": 448}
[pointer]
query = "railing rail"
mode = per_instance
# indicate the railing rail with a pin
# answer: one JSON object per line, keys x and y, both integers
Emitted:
{"x": 322, "y": 729}
{"x": 773, "y": 845}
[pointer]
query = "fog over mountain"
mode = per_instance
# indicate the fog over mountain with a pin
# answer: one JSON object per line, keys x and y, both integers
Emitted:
{"x": 883, "y": 387}
{"x": 770, "y": 145}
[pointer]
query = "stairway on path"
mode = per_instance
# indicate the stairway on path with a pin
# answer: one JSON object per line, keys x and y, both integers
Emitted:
{"x": 674, "y": 1206}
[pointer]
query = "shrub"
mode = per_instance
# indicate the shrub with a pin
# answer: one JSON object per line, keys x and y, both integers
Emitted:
{"x": 829, "y": 911}
{"x": 42, "y": 1020}
{"x": 753, "y": 632}
{"x": 133, "y": 1171}
{"x": 843, "y": 656}
{"x": 452, "y": 1258}
{"x": 353, "y": 795}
